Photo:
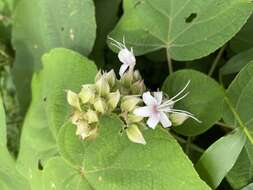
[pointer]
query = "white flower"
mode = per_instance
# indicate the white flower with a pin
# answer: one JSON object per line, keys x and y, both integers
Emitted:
{"x": 125, "y": 56}
{"x": 156, "y": 109}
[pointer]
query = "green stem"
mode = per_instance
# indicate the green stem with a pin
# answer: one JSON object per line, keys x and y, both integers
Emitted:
{"x": 238, "y": 119}
{"x": 224, "y": 125}
{"x": 191, "y": 146}
{"x": 169, "y": 61}
{"x": 188, "y": 145}
{"x": 216, "y": 60}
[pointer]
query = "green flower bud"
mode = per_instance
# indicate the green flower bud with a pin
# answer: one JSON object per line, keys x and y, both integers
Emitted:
{"x": 127, "y": 78}
{"x": 129, "y": 103}
{"x": 132, "y": 118}
{"x": 138, "y": 87}
{"x": 82, "y": 129}
{"x": 73, "y": 99}
{"x": 111, "y": 78}
{"x": 100, "y": 105}
{"x": 102, "y": 86}
{"x": 178, "y": 118}
{"x": 113, "y": 100}
{"x": 135, "y": 135}
{"x": 87, "y": 93}
{"x": 137, "y": 75}
{"x": 91, "y": 116}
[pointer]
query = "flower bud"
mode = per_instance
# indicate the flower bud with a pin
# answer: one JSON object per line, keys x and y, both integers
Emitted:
{"x": 129, "y": 103}
{"x": 98, "y": 75}
{"x": 138, "y": 87}
{"x": 73, "y": 99}
{"x": 135, "y": 135}
{"x": 127, "y": 78}
{"x": 100, "y": 105}
{"x": 178, "y": 118}
{"x": 82, "y": 129}
{"x": 113, "y": 99}
{"x": 91, "y": 116}
{"x": 102, "y": 86}
{"x": 111, "y": 78}
{"x": 87, "y": 93}
{"x": 76, "y": 116}
{"x": 137, "y": 75}
{"x": 132, "y": 118}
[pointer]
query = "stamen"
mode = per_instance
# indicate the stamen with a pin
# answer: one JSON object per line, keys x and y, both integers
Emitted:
{"x": 169, "y": 102}
{"x": 117, "y": 44}
{"x": 179, "y": 93}
{"x": 186, "y": 113}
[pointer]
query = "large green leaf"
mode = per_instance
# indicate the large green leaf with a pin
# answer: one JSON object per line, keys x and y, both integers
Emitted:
{"x": 188, "y": 29}
{"x": 63, "y": 69}
{"x": 9, "y": 177}
{"x": 220, "y": 157}
{"x": 248, "y": 187}
{"x": 204, "y": 100}
{"x": 113, "y": 162}
{"x": 40, "y": 25}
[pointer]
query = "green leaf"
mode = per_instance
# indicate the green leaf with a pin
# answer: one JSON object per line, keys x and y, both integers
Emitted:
{"x": 40, "y": 25}
{"x": 204, "y": 100}
{"x": 237, "y": 62}
{"x": 242, "y": 172}
{"x": 3, "y": 136}
{"x": 243, "y": 40}
{"x": 187, "y": 29}
{"x": 240, "y": 96}
{"x": 113, "y": 162}
{"x": 220, "y": 157}
{"x": 63, "y": 69}
{"x": 248, "y": 187}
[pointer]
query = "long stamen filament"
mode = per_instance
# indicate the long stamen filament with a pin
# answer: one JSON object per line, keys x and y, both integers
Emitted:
{"x": 179, "y": 93}
{"x": 117, "y": 44}
{"x": 170, "y": 102}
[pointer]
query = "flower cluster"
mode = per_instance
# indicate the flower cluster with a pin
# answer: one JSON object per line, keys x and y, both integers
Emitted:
{"x": 127, "y": 98}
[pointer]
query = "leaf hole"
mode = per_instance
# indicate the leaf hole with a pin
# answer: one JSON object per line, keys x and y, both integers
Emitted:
{"x": 40, "y": 167}
{"x": 191, "y": 17}
{"x": 45, "y": 99}
{"x": 138, "y": 3}
{"x": 62, "y": 29}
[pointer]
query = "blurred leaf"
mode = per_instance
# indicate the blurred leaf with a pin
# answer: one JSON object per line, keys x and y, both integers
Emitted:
{"x": 40, "y": 25}
{"x": 237, "y": 62}
{"x": 63, "y": 69}
{"x": 187, "y": 29}
{"x": 220, "y": 157}
{"x": 9, "y": 177}
{"x": 242, "y": 172}
{"x": 204, "y": 100}
{"x": 243, "y": 40}
{"x": 112, "y": 162}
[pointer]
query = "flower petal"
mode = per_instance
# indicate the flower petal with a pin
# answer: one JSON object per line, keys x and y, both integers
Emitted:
{"x": 153, "y": 121}
{"x": 126, "y": 57}
{"x": 145, "y": 111}
{"x": 159, "y": 97}
{"x": 123, "y": 69}
{"x": 165, "y": 120}
{"x": 148, "y": 99}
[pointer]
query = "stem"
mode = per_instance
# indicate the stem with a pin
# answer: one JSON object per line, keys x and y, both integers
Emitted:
{"x": 188, "y": 145}
{"x": 224, "y": 125}
{"x": 238, "y": 119}
{"x": 216, "y": 60}
{"x": 192, "y": 146}
{"x": 221, "y": 80}
{"x": 169, "y": 61}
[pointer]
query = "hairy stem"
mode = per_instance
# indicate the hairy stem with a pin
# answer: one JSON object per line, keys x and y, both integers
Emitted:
{"x": 169, "y": 61}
